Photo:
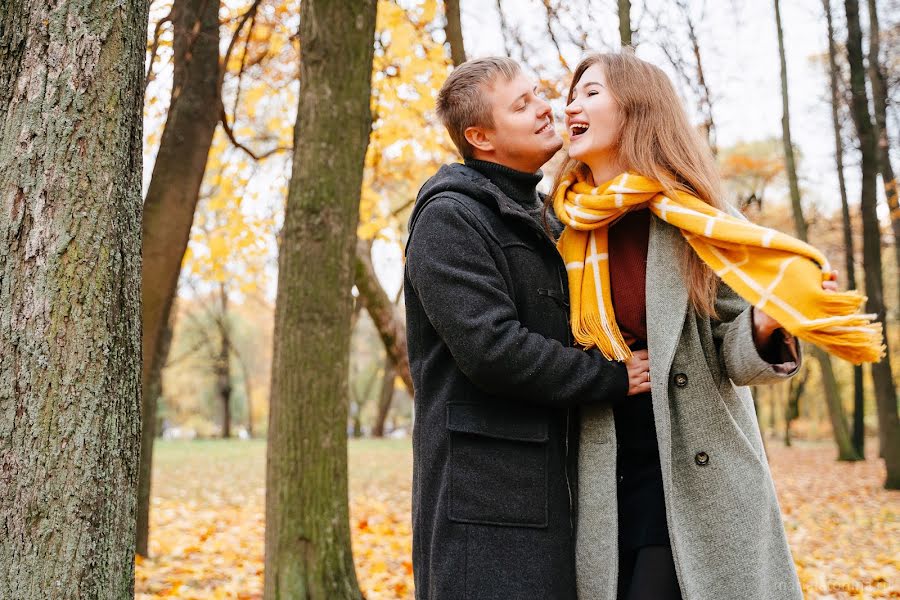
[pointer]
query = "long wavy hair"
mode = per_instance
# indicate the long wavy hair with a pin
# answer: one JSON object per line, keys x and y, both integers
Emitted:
{"x": 657, "y": 141}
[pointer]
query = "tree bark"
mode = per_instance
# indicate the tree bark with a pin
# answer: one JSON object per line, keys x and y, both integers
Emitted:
{"x": 71, "y": 92}
{"x": 849, "y": 253}
{"x": 880, "y": 101}
{"x": 882, "y": 378}
{"x": 385, "y": 398}
{"x": 625, "y": 31}
{"x": 391, "y": 327}
{"x": 172, "y": 198}
{"x": 846, "y": 450}
{"x": 307, "y": 546}
{"x": 454, "y": 34}
{"x": 149, "y": 405}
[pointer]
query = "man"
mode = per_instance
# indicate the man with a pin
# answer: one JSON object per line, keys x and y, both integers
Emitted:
{"x": 494, "y": 370}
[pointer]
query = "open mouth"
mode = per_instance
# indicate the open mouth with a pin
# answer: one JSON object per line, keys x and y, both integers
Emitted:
{"x": 577, "y": 129}
{"x": 545, "y": 128}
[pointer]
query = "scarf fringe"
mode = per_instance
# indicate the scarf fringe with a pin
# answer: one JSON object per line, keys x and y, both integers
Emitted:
{"x": 587, "y": 328}
{"x": 846, "y": 333}
{"x": 853, "y": 338}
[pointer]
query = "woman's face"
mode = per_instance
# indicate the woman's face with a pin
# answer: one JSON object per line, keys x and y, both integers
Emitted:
{"x": 593, "y": 119}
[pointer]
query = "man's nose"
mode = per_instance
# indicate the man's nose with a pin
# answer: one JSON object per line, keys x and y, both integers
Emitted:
{"x": 543, "y": 107}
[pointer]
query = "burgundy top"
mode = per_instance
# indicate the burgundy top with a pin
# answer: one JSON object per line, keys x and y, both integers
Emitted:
{"x": 628, "y": 241}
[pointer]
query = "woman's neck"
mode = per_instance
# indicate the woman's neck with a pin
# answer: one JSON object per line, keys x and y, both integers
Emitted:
{"x": 605, "y": 168}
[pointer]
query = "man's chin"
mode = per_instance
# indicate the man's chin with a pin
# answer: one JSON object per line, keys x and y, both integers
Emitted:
{"x": 550, "y": 151}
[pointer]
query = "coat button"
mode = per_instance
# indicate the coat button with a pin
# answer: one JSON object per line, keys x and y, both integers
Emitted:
{"x": 702, "y": 459}
{"x": 621, "y": 477}
{"x": 681, "y": 380}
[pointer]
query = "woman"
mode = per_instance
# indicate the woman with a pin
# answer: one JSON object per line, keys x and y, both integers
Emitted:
{"x": 697, "y": 516}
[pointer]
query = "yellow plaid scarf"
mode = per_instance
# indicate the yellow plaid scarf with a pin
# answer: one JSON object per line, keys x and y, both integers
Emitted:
{"x": 773, "y": 271}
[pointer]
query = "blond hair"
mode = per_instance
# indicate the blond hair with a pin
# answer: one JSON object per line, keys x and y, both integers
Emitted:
{"x": 657, "y": 141}
{"x": 462, "y": 101}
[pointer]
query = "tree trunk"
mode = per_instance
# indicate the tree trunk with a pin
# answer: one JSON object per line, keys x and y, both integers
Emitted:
{"x": 223, "y": 363}
{"x": 391, "y": 327}
{"x": 245, "y": 372}
{"x": 849, "y": 253}
{"x": 453, "y": 31}
{"x": 172, "y": 196}
{"x": 307, "y": 549}
{"x": 149, "y": 432}
{"x": 836, "y": 413}
{"x": 879, "y": 97}
{"x": 846, "y": 451}
{"x": 385, "y": 398}
{"x": 885, "y": 394}
{"x": 71, "y": 92}
{"x": 790, "y": 164}
{"x": 625, "y": 31}
{"x": 792, "y": 406}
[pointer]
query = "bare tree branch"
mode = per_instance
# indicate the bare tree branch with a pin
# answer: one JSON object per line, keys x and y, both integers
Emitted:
{"x": 154, "y": 48}
{"x": 551, "y": 17}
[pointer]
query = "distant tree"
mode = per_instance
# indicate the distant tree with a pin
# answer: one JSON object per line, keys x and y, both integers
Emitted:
{"x": 846, "y": 450}
{"x": 453, "y": 29}
{"x": 169, "y": 205}
{"x": 834, "y": 76}
{"x": 625, "y": 31}
{"x": 882, "y": 377}
{"x": 880, "y": 94}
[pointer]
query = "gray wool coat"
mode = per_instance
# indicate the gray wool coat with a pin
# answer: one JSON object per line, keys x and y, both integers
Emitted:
{"x": 724, "y": 520}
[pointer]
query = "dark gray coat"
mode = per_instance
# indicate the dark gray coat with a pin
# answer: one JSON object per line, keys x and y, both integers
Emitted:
{"x": 495, "y": 378}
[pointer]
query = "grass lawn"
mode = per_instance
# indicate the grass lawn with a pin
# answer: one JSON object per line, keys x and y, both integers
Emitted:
{"x": 207, "y": 520}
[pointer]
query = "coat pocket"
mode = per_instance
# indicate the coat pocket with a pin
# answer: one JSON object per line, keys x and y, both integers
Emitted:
{"x": 498, "y": 465}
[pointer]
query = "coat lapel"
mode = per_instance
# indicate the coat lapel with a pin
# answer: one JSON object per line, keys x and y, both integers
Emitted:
{"x": 667, "y": 299}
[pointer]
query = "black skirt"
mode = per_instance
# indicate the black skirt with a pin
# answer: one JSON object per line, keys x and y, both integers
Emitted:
{"x": 641, "y": 503}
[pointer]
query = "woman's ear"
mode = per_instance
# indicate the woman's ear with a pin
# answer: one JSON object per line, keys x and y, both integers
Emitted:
{"x": 479, "y": 139}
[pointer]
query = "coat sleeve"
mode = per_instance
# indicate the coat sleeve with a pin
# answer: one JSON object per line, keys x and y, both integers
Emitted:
{"x": 465, "y": 297}
{"x": 734, "y": 336}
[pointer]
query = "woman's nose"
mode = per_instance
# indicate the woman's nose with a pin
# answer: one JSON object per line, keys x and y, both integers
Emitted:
{"x": 572, "y": 109}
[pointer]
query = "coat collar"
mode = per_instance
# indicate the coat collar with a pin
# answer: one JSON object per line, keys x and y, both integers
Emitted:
{"x": 461, "y": 179}
{"x": 506, "y": 206}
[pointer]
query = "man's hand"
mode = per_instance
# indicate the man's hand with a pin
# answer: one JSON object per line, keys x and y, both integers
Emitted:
{"x": 638, "y": 373}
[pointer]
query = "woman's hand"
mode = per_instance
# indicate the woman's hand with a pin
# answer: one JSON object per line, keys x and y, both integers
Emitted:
{"x": 638, "y": 373}
{"x": 764, "y": 325}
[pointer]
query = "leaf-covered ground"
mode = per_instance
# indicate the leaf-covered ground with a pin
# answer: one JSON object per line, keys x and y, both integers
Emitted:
{"x": 208, "y": 504}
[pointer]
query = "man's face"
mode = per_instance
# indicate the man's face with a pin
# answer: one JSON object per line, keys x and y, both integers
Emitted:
{"x": 523, "y": 136}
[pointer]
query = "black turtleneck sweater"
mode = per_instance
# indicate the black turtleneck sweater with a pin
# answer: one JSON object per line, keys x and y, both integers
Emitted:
{"x": 519, "y": 186}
